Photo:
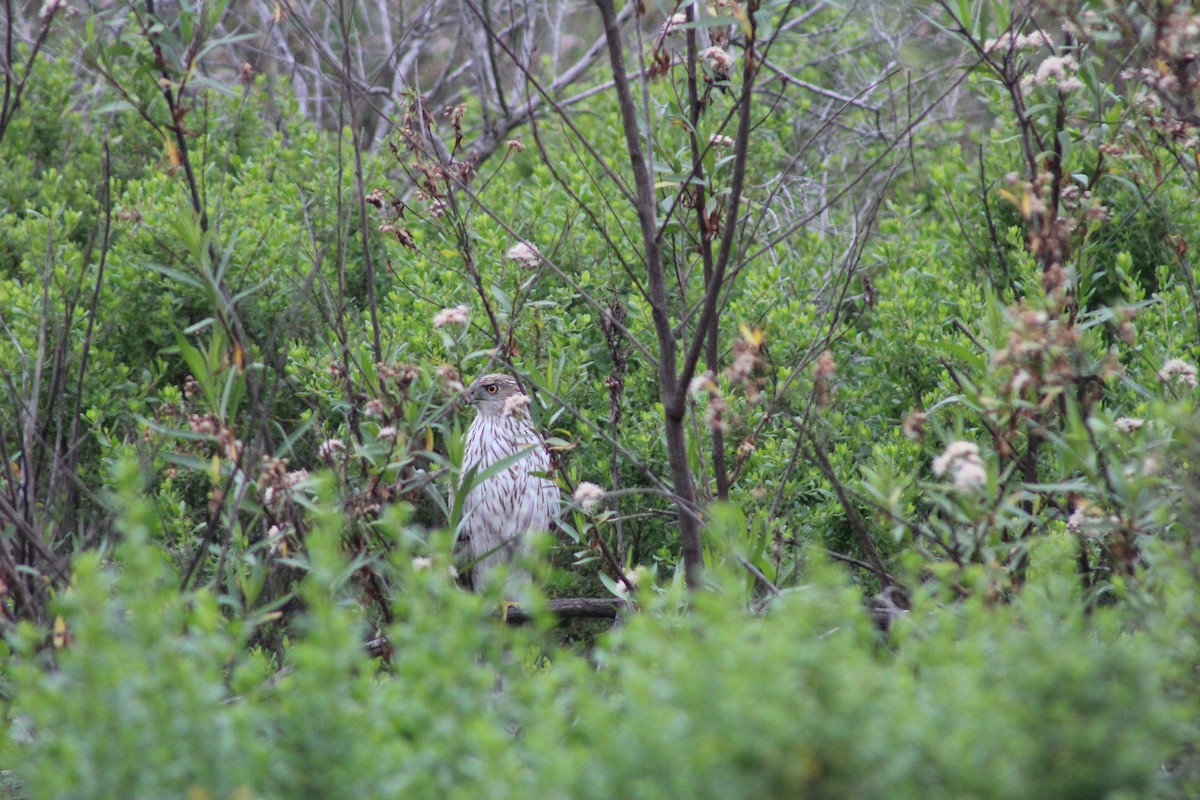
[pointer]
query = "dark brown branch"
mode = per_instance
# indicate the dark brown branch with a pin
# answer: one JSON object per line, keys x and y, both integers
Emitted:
{"x": 671, "y": 391}
{"x": 356, "y": 143}
{"x": 859, "y": 525}
{"x": 741, "y": 145}
{"x": 12, "y": 95}
{"x": 711, "y": 355}
{"x": 564, "y": 608}
{"x": 858, "y": 562}
{"x": 73, "y": 441}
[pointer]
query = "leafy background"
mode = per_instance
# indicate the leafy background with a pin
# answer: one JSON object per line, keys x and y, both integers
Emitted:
{"x": 231, "y": 424}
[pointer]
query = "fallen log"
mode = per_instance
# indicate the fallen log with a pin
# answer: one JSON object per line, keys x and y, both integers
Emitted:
{"x": 572, "y": 608}
{"x": 562, "y": 607}
{"x": 882, "y": 611}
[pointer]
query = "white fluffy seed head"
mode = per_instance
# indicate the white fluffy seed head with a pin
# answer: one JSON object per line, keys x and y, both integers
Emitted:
{"x": 588, "y": 495}
{"x": 718, "y": 60}
{"x": 516, "y": 405}
{"x": 1128, "y": 424}
{"x": 962, "y": 462}
{"x": 1179, "y": 370}
{"x": 451, "y": 316}
{"x": 526, "y": 255}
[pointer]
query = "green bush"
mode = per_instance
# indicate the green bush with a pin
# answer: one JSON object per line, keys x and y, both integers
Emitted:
{"x": 233, "y": 470}
{"x": 152, "y": 694}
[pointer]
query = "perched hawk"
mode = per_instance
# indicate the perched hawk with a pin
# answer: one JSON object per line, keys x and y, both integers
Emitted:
{"x": 502, "y": 510}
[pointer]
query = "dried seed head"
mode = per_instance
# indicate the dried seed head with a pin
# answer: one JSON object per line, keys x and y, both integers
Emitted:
{"x": 331, "y": 447}
{"x": 914, "y": 425}
{"x": 451, "y": 316}
{"x": 374, "y": 408}
{"x": 526, "y": 255}
{"x": 1128, "y": 424}
{"x": 962, "y": 462}
{"x": 673, "y": 23}
{"x": 1178, "y": 370}
{"x": 703, "y": 383}
{"x": 450, "y": 378}
{"x": 516, "y": 405}
{"x": 718, "y": 60}
{"x": 716, "y": 416}
{"x": 588, "y": 495}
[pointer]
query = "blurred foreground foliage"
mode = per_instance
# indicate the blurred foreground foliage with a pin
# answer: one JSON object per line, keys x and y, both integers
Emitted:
{"x": 158, "y": 693}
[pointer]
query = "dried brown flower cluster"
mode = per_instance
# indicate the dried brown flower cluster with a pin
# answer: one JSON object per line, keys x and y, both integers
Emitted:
{"x": 400, "y": 374}
{"x": 715, "y": 59}
{"x": 1040, "y": 356}
{"x": 1049, "y": 233}
{"x": 516, "y": 406}
{"x": 433, "y": 171}
{"x": 394, "y": 383}
{"x": 1060, "y": 72}
{"x": 1079, "y": 200}
{"x": 717, "y": 414}
{"x": 1171, "y": 82}
{"x": 451, "y": 379}
{"x": 330, "y": 449}
{"x": 588, "y": 495}
{"x": 1008, "y": 42}
{"x": 824, "y": 372}
{"x": 747, "y": 362}
{"x": 718, "y": 61}
{"x": 913, "y": 426}
{"x": 374, "y": 408}
{"x": 1128, "y": 424}
{"x": 1178, "y": 370}
{"x": 209, "y": 425}
{"x": 276, "y": 484}
{"x": 455, "y": 114}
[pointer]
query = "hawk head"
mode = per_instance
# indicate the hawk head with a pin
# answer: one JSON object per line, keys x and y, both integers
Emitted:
{"x": 492, "y": 395}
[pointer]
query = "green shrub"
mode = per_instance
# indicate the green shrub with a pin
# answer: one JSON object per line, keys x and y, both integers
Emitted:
{"x": 197, "y": 627}
{"x": 152, "y": 695}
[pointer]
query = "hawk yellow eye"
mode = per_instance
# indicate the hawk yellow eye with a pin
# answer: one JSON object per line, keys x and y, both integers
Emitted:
{"x": 491, "y": 389}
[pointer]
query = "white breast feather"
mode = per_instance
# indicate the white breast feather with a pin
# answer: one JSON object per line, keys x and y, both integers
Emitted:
{"x": 503, "y": 509}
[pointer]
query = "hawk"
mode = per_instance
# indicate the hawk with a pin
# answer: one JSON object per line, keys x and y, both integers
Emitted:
{"x": 500, "y": 511}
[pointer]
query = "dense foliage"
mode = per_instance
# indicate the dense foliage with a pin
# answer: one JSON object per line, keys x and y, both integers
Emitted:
{"x": 871, "y": 389}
